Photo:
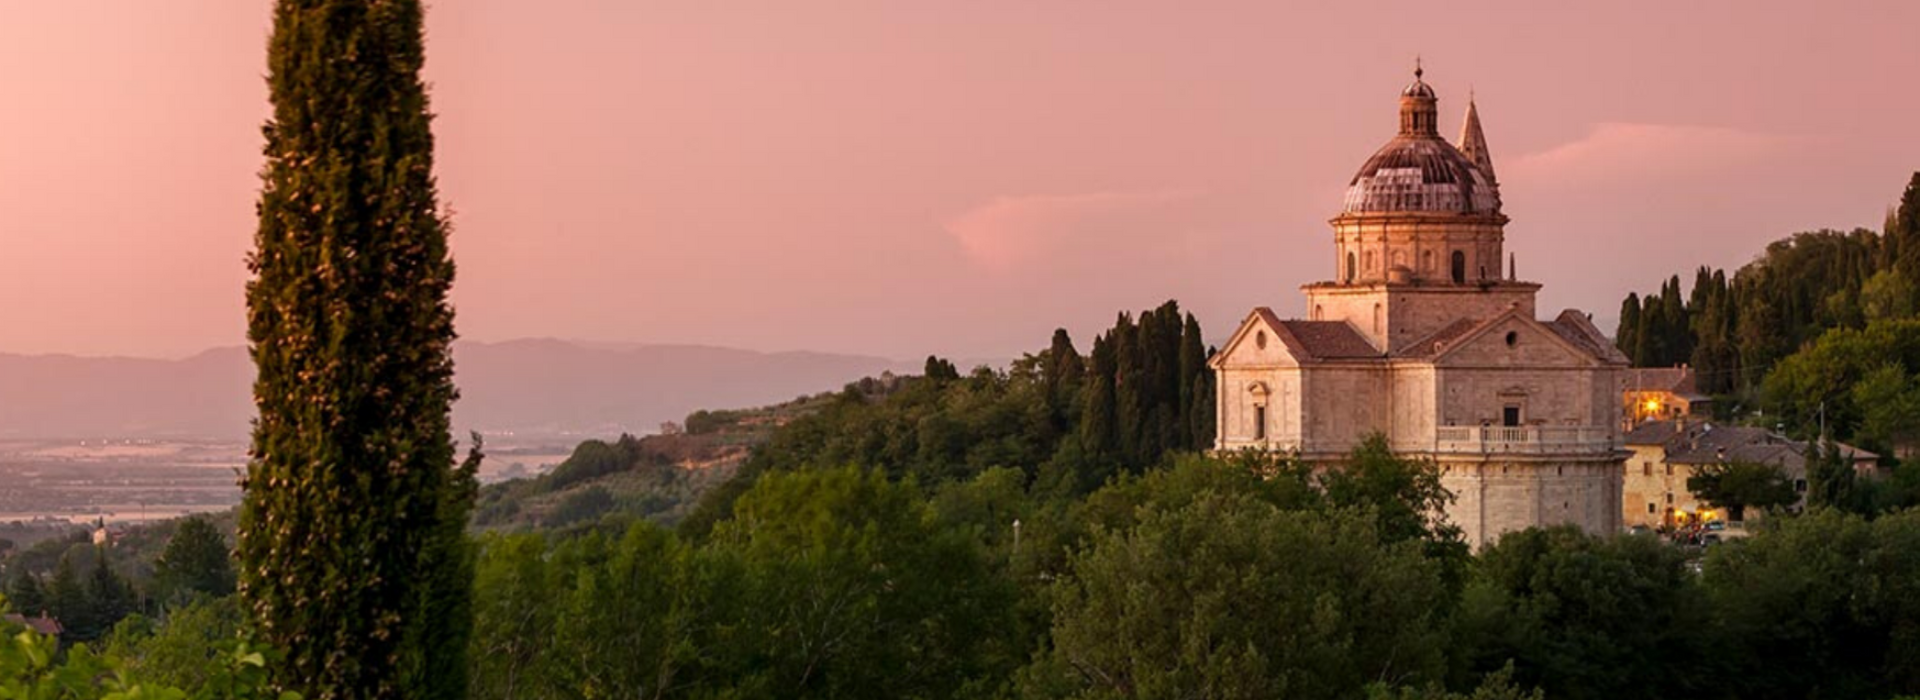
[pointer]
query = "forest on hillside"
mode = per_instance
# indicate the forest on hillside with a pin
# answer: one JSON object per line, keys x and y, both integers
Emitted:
{"x": 1815, "y": 331}
{"x": 1054, "y": 530}
{"x": 1039, "y": 532}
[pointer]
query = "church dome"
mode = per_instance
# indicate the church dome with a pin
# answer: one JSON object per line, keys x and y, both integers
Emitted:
{"x": 1415, "y": 173}
{"x": 1418, "y": 171}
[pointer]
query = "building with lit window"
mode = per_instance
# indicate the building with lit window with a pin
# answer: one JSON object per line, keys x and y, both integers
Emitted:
{"x": 1666, "y": 452}
{"x": 1661, "y": 393}
{"x": 1420, "y": 337}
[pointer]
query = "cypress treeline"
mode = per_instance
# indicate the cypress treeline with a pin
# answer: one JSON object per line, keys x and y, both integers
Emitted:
{"x": 354, "y": 559}
{"x": 1149, "y": 389}
{"x": 1068, "y": 421}
{"x": 1733, "y": 329}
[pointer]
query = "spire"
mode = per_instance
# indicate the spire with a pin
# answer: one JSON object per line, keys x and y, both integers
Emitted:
{"x": 1473, "y": 143}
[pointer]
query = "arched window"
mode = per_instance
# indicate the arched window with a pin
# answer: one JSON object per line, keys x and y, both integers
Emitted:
{"x": 1379, "y": 321}
{"x": 1459, "y": 267}
{"x": 1351, "y": 267}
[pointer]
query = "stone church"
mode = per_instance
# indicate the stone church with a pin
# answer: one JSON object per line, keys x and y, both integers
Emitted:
{"x": 1420, "y": 337}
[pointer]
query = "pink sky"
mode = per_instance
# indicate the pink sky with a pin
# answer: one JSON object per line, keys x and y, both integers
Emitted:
{"x": 904, "y": 177}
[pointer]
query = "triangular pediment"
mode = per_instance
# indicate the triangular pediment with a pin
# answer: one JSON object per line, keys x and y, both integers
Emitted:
{"x": 1261, "y": 341}
{"x": 1512, "y": 339}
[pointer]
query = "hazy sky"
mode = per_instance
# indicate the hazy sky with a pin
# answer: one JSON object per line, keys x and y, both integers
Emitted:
{"x": 901, "y": 177}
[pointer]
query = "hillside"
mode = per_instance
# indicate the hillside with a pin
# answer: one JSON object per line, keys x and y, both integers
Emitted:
{"x": 657, "y": 477}
{"x": 529, "y": 388}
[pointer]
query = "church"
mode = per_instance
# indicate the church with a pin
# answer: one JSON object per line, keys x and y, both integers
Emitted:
{"x": 1421, "y": 338}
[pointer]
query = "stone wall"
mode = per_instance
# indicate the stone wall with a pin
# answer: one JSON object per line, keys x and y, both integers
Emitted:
{"x": 1410, "y": 313}
{"x": 1495, "y": 496}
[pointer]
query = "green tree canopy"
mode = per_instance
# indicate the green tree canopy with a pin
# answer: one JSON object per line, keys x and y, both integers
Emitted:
{"x": 1584, "y": 616}
{"x": 1231, "y": 597}
{"x": 1738, "y": 485}
{"x": 197, "y": 560}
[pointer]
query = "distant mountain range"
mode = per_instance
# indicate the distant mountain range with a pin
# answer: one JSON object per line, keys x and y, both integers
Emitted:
{"x": 531, "y": 388}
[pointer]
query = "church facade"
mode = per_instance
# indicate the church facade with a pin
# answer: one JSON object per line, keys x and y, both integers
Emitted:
{"x": 1420, "y": 337}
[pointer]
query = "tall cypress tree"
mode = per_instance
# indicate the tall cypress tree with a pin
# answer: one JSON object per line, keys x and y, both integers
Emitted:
{"x": 1627, "y": 338}
{"x": 1099, "y": 419}
{"x": 1062, "y": 376}
{"x": 67, "y": 599}
{"x": 1194, "y": 388}
{"x": 353, "y": 558}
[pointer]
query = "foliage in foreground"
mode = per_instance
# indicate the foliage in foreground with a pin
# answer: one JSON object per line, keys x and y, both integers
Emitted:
{"x": 33, "y": 667}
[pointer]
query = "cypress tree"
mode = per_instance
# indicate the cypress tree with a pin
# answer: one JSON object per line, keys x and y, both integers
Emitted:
{"x": 1676, "y": 334}
{"x": 1903, "y": 232}
{"x": 1099, "y": 422}
{"x": 353, "y": 558}
{"x": 67, "y": 600}
{"x": 1627, "y": 338}
{"x": 1194, "y": 387}
{"x": 111, "y": 596}
{"x": 25, "y": 595}
{"x": 1129, "y": 385}
{"x": 1062, "y": 376}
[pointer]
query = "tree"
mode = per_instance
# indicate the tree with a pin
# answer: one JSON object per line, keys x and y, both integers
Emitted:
{"x": 515, "y": 614}
{"x": 1584, "y": 616}
{"x": 1821, "y": 605}
{"x": 68, "y": 601}
{"x": 1062, "y": 375}
{"x": 36, "y": 666}
{"x": 1737, "y": 486}
{"x": 1100, "y": 423}
{"x": 25, "y": 594}
{"x": 177, "y": 653}
{"x": 196, "y": 561}
{"x": 1830, "y": 478}
{"x": 1405, "y": 495}
{"x": 849, "y": 590}
{"x": 1230, "y": 597}
{"x": 1196, "y": 391}
{"x": 940, "y": 370}
{"x": 1498, "y": 685}
{"x": 110, "y": 596}
{"x": 1627, "y": 337}
{"x": 630, "y": 621}
{"x": 1889, "y": 401}
{"x": 351, "y": 529}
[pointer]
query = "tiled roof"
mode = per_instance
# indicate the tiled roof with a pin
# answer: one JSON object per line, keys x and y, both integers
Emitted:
{"x": 1706, "y": 443}
{"x": 1330, "y": 340}
{"x": 1674, "y": 380}
{"x": 1569, "y": 330}
{"x": 42, "y": 624}
{"x": 1433, "y": 344}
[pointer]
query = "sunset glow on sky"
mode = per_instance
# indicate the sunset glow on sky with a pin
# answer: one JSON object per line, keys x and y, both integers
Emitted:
{"x": 902, "y": 178}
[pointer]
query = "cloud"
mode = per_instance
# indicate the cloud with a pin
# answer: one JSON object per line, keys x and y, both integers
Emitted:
{"x": 1011, "y": 231}
{"x": 1615, "y": 151}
